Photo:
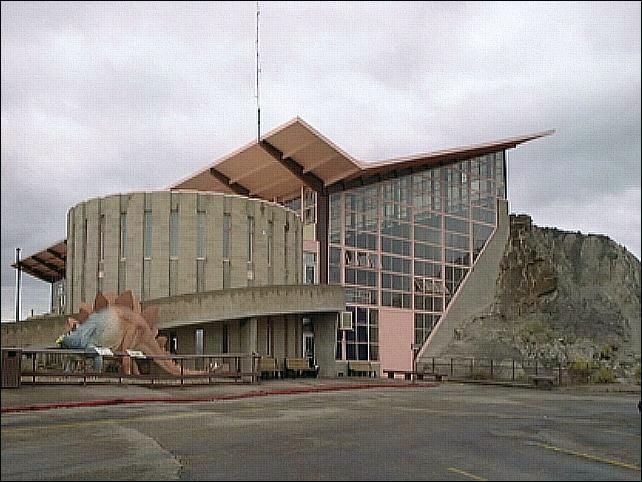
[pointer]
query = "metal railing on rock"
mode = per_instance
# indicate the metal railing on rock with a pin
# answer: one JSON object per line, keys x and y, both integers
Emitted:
{"x": 511, "y": 370}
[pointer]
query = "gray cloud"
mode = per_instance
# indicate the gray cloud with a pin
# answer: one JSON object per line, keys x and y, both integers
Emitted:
{"x": 111, "y": 97}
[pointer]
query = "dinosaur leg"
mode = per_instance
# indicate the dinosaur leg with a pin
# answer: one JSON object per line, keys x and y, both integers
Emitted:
{"x": 127, "y": 365}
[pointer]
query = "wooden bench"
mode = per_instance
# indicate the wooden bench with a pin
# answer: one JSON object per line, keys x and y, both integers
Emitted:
{"x": 437, "y": 376}
{"x": 299, "y": 367}
{"x": 269, "y": 366}
{"x": 415, "y": 375}
{"x": 545, "y": 381}
{"x": 361, "y": 368}
{"x": 407, "y": 374}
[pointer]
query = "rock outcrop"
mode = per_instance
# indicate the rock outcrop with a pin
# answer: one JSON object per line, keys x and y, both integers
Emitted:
{"x": 560, "y": 296}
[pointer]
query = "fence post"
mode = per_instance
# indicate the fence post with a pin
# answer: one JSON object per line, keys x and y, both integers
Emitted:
{"x": 433, "y": 364}
{"x": 513, "y": 377}
{"x": 559, "y": 373}
{"x": 34, "y": 366}
{"x": 451, "y": 367}
{"x": 181, "y": 372}
{"x": 535, "y": 366}
{"x": 491, "y": 368}
{"x": 471, "y": 366}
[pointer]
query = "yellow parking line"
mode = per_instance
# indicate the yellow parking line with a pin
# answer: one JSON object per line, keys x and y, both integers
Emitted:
{"x": 625, "y": 434}
{"x": 464, "y": 473}
{"x": 590, "y": 457}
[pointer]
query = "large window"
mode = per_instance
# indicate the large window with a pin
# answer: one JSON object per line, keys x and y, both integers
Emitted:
{"x": 227, "y": 226}
{"x": 147, "y": 235}
{"x": 408, "y": 242}
{"x": 270, "y": 242}
{"x": 200, "y": 234}
{"x": 173, "y": 234}
{"x": 309, "y": 206}
{"x": 362, "y": 342}
{"x": 123, "y": 236}
{"x": 250, "y": 239}
{"x": 309, "y": 267}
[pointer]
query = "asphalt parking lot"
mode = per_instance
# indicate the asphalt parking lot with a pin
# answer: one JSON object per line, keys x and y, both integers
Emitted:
{"x": 447, "y": 432}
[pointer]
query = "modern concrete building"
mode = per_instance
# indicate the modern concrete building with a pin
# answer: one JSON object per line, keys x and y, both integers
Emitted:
{"x": 408, "y": 245}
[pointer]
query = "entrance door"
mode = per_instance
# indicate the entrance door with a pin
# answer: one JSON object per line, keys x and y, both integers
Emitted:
{"x": 308, "y": 347}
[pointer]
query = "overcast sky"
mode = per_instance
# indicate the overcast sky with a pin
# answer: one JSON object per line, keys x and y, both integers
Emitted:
{"x": 100, "y": 98}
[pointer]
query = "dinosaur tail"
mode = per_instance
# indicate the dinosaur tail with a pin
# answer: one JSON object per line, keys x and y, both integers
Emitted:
{"x": 170, "y": 366}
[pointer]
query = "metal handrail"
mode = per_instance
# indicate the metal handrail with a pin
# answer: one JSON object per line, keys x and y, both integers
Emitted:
{"x": 66, "y": 358}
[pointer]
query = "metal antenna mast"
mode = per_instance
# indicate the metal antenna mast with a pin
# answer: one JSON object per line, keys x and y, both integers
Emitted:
{"x": 258, "y": 70}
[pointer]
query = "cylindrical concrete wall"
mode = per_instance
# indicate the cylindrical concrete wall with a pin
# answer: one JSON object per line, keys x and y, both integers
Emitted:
{"x": 166, "y": 243}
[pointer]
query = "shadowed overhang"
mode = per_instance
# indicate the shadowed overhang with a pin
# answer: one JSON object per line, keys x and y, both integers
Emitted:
{"x": 295, "y": 155}
{"x": 47, "y": 264}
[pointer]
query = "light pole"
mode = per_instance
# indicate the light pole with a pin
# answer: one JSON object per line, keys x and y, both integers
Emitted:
{"x": 18, "y": 284}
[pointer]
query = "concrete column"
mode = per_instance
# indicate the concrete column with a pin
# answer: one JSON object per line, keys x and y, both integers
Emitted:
{"x": 134, "y": 263}
{"x": 325, "y": 336}
{"x": 92, "y": 215}
{"x": 238, "y": 243}
{"x": 160, "y": 246}
{"x": 249, "y": 335}
{"x": 323, "y": 219}
{"x": 248, "y": 344}
{"x": 111, "y": 209}
{"x": 78, "y": 261}
{"x": 69, "y": 271}
{"x": 214, "y": 243}
{"x": 278, "y": 263}
{"x": 187, "y": 244}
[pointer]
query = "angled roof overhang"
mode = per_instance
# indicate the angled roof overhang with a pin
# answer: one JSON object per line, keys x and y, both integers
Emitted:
{"x": 288, "y": 158}
{"x": 295, "y": 155}
{"x": 47, "y": 264}
{"x": 440, "y": 158}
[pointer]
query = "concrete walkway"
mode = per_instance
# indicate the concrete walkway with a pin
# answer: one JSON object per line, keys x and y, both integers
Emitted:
{"x": 42, "y": 397}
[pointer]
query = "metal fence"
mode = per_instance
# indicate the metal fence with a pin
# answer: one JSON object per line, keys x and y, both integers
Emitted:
{"x": 79, "y": 366}
{"x": 516, "y": 371}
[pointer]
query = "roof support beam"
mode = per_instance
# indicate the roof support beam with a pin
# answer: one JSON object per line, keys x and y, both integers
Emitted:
{"x": 248, "y": 173}
{"x": 35, "y": 273}
{"x": 56, "y": 254}
{"x": 267, "y": 187}
{"x": 309, "y": 179}
{"x": 292, "y": 152}
{"x": 52, "y": 267}
{"x": 234, "y": 186}
{"x": 321, "y": 162}
{"x": 341, "y": 176}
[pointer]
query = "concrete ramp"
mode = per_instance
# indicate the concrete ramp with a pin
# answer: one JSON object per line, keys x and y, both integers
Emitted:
{"x": 475, "y": 295}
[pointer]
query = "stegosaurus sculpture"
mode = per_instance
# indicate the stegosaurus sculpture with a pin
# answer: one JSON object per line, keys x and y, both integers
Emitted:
{"x": 117, "y": 323}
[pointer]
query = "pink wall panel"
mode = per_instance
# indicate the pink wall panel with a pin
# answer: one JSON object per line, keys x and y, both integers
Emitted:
{"x": 396, "y": 336}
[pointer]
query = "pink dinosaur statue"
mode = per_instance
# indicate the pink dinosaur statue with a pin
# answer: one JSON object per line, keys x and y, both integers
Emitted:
{"x": 117, "y": 323}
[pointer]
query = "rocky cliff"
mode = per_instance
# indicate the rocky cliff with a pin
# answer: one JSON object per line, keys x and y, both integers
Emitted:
{"x": 560, "y": 296}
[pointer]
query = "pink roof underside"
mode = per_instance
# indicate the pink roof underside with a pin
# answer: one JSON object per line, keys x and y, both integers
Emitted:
{"x": 253, "y": 168}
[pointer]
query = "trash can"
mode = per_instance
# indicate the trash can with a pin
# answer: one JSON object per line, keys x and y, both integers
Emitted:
{"x": 11, "y": 364}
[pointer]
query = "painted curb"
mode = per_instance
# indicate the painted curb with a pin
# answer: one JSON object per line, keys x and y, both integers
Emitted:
{"x": 252, "y": 394}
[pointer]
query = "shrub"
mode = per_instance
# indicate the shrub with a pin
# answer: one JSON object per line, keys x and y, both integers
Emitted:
{"x": 604, "y": 375}
{"x": 476, "y": 374}
{"x": 579, "y": 370}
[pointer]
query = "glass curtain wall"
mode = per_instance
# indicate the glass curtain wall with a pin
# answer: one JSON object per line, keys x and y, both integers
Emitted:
{"x": 408, "y": 242}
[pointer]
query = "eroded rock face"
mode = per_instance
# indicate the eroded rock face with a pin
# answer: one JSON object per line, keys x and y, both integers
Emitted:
{"x": 562, "y": 296}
